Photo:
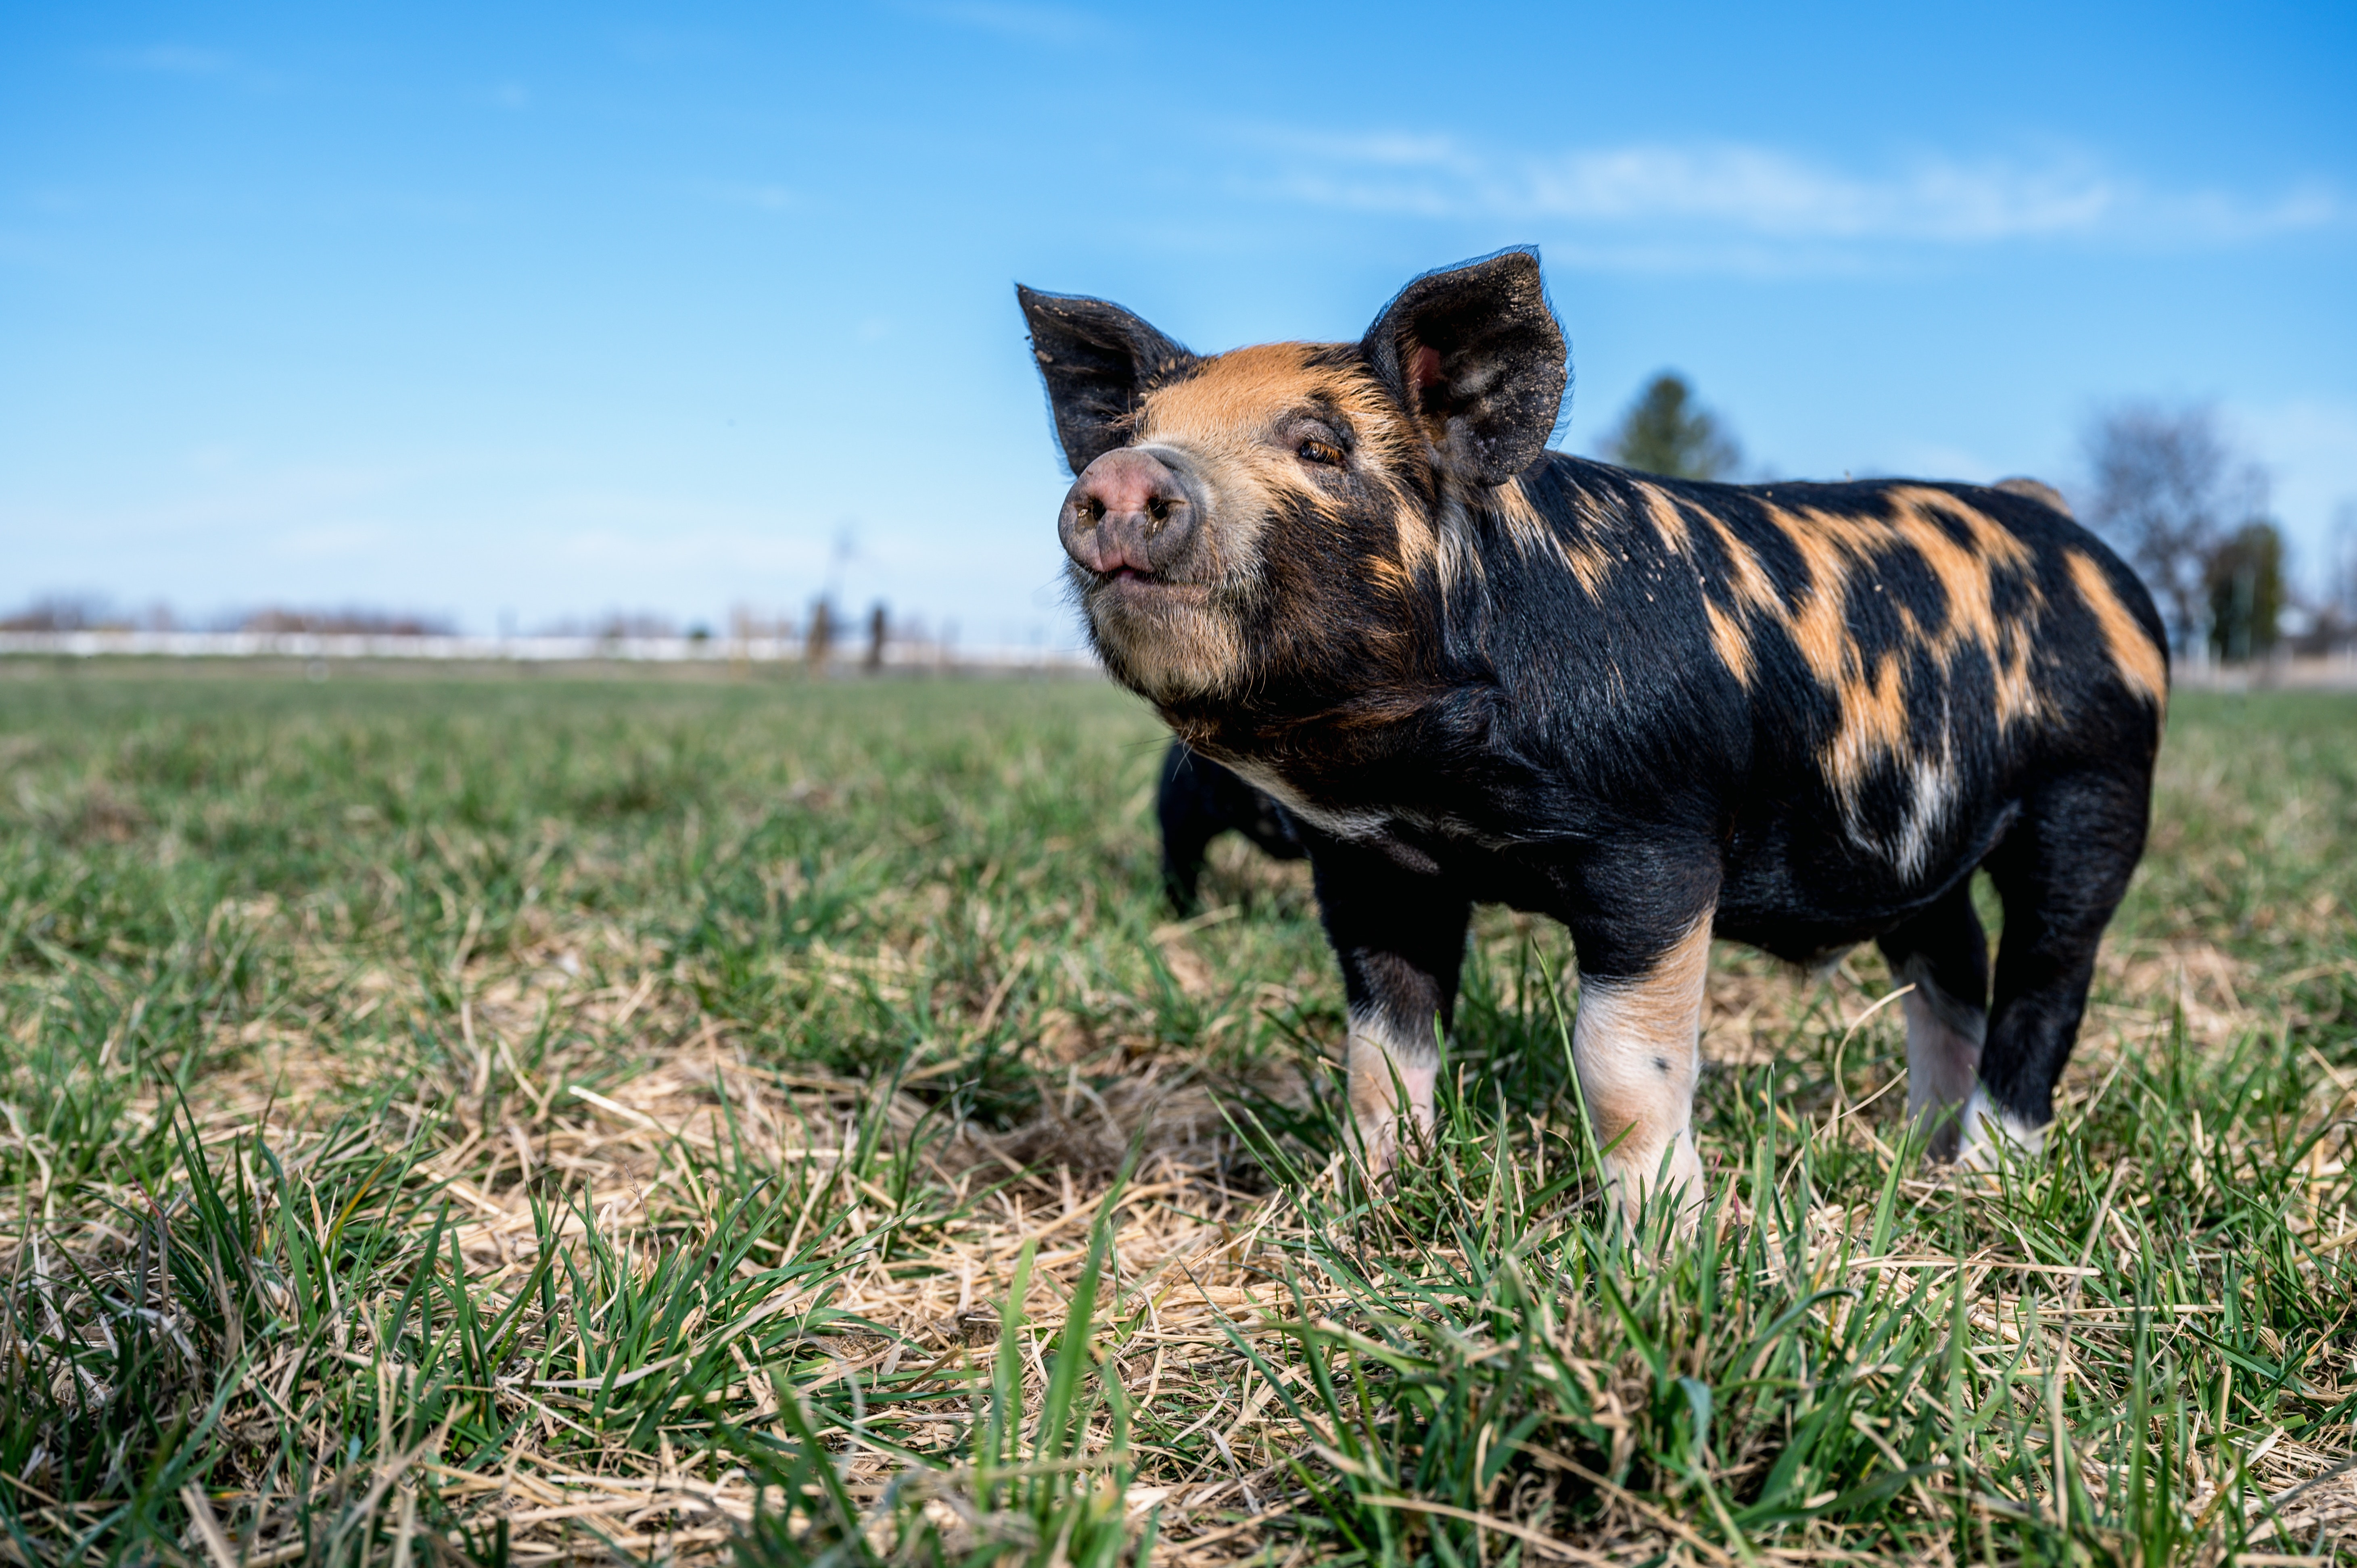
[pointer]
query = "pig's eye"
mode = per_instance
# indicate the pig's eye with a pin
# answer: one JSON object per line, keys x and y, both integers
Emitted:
{"x": 1322, "y": 452}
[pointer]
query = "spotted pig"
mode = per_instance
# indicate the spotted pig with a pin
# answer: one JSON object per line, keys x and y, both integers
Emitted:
{"x": 1475, "y": 669}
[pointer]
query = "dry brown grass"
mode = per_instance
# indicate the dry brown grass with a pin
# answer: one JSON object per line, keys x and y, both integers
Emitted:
{"x": 570, "y": 1057}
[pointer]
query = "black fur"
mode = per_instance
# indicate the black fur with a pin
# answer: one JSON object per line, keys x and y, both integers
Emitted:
{"x": 1557, "y": 722}
{"x": 1499, "y": 360}
{"x": 1096, "y": 358}
{"x": 1200, "y": 800}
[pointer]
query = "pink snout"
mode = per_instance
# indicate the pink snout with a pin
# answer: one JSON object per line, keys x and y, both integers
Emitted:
{"x": 1128, "y": 513}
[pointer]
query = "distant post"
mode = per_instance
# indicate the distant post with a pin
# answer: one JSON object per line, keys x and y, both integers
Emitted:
{"x": 820, "y": 648}
{"x": 877, "y": 625}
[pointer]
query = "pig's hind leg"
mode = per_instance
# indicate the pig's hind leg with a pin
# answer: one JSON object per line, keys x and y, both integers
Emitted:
{"x": 1399, "y": 935}
{"x": 1943, "y": 954}
{"x": 2061, "y": 871}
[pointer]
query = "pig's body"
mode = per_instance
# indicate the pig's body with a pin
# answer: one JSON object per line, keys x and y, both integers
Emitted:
{"x": 1793, "y": 715}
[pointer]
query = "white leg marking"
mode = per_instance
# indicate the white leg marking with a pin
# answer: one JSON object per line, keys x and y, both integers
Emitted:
{"x": 1992, "y": 1135}
{"x": 1944, "y": 1060}
{"x": 1637, "y": 1045}
{"x": 1383, "y": 1062}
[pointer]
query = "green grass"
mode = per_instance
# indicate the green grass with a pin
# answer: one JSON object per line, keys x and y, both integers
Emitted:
{"x": 486, "y": 1121}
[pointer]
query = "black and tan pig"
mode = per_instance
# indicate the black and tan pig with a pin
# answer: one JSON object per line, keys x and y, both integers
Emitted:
{"x": 1474, "y": 669}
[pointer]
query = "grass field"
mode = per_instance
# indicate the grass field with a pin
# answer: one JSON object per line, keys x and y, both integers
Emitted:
{"x": 485, "y": 1122}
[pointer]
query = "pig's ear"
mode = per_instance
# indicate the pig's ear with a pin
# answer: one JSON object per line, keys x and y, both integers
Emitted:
{"x": 1098, "y": 361}
{"x": 1474, "y": 353}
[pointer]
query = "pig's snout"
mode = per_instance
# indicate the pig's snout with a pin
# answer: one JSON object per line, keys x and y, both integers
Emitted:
{"x": 1129, "y": 513}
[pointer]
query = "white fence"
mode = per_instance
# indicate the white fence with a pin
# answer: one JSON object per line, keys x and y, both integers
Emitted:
{"x": 847, "y": 652}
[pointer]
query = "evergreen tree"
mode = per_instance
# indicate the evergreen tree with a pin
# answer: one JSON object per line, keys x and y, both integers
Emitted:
{"x": 2245, "y": 579}
{"x": 1667, "y": 432}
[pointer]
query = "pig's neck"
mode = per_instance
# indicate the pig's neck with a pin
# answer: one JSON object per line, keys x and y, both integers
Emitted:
{"x": 1511, "y": 623}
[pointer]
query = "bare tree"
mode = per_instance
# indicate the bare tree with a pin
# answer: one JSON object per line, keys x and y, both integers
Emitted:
{"x": 2169, "y": 489}
{"x": 62, "y": 612}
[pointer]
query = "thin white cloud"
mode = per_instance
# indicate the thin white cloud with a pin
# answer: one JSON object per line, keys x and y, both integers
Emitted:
{"x": 179, "y": 59}
{"x": 1062, "y": 26}
{"x": 1672, "y": 195}
{"x": 191, "y": 62}
{"x": 761, "y": 197}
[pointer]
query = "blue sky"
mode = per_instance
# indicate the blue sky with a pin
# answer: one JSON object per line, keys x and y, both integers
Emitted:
{"x": 547, "y": 310}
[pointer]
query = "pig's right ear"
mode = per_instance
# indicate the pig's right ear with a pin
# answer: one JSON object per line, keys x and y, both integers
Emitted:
{"x": 1475, "y": 355}
{"x": 1098, "y": 361}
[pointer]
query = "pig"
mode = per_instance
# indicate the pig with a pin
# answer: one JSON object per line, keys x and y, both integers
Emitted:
{"x": 1198, "y": 802}
{"x": 1476, "y": 669}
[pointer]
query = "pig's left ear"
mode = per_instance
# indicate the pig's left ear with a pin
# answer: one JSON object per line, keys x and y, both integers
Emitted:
{"x": 1098, "y": 361}
{"x": 1475, "y": 355}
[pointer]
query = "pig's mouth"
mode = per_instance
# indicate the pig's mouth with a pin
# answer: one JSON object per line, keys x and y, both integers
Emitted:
{"x": 1162, "y": 636}
{"x": 1130, "y": 563}
{"x": 1141, "y": 608}
{"x": 1134, "y": 583}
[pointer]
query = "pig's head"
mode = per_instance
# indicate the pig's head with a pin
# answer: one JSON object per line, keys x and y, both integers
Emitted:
{"x": 1278, "y": 507}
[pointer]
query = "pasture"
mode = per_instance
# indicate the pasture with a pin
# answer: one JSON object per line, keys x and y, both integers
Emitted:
{"x": 493, "y": 1121}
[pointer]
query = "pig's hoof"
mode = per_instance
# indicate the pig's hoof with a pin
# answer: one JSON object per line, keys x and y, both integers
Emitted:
{"x": 1992, "y": 1136}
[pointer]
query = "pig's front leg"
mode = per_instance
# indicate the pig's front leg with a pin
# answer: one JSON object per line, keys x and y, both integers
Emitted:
{"x": 1637, "y": 1040}
{"x": 1399, "y": 934}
